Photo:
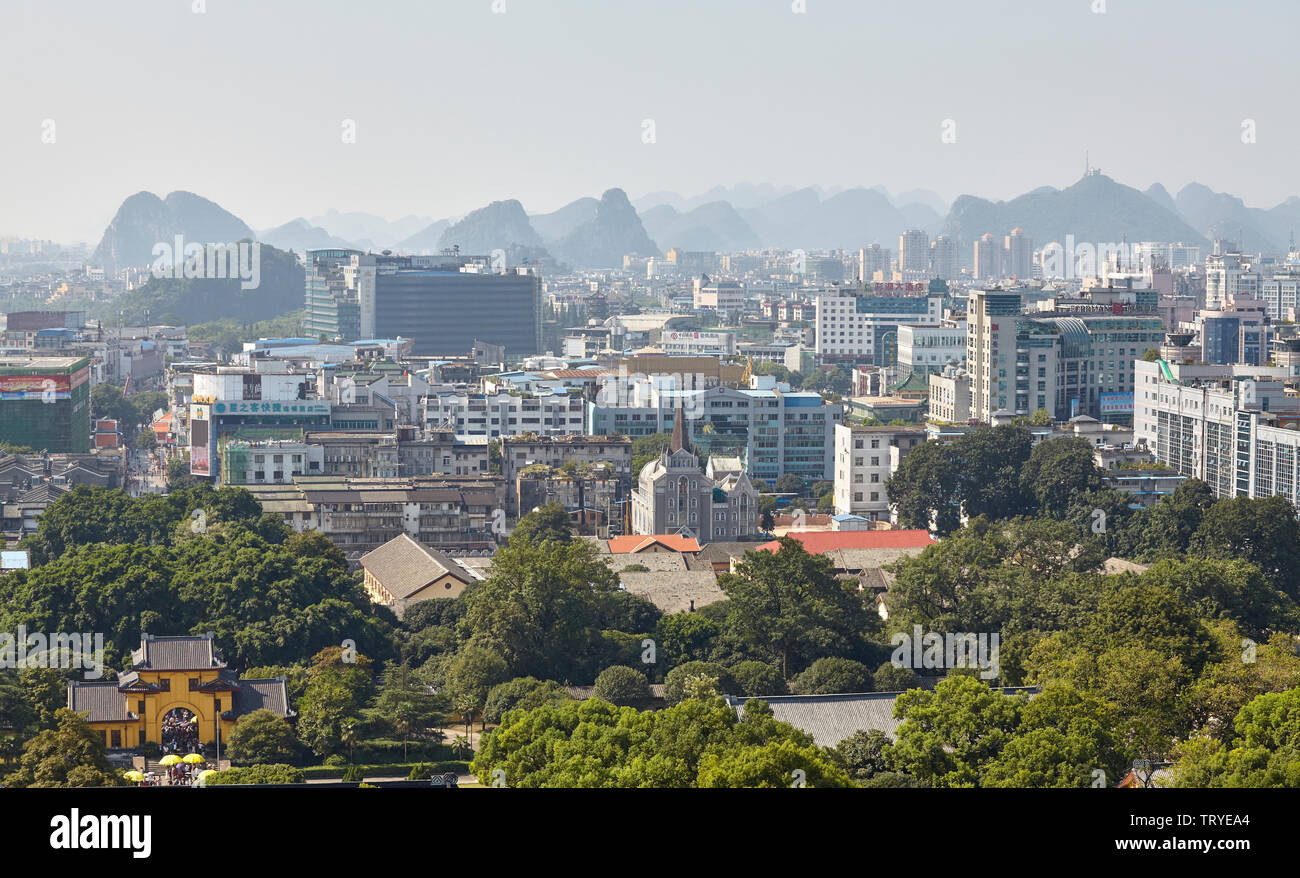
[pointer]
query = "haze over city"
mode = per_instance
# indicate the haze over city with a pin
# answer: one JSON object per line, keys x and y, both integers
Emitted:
{"x": 243, "y": 103}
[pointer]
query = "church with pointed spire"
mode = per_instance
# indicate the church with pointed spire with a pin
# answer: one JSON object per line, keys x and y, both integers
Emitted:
{"x": 674, "y": 496}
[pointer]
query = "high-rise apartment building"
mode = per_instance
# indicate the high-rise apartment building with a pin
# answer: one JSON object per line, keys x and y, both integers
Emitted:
{"x": 1231, "y": 426}
{"x": 1280, "y": 289}
{"x": 914, "y": 253}
{"x": 872, "y": 259}
{"x": 988, "y": 258}
{"x": 1018, "y": 257}
{"x": 443, "y": 303}
{"x": 1228, "y": 275}
{"x": 332, "y": 310}
{"x": 945, "y": 258}
{"x": 1076, "y": 360}
{"x": 1235, "y": 332}
{"x": 45, "y": 403}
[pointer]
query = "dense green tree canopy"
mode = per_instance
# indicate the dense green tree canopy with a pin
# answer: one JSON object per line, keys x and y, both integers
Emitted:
{"x": 69, "y": 755}
{"x": 549, "y": 522}
{"x": 122, "y": 566}
{"x": 260, "y": 737}
{"x": 1057, "y": 470}
{"x": 541, "y": 608}
{"x": 790, "y": 606}
{"x": 699, "y": 742}
{"x": 621, "y": 685}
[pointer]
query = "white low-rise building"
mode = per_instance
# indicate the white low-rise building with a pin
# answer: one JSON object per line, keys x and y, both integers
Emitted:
{"x": 865, "y": 458}
{"x": 505, "y": 414}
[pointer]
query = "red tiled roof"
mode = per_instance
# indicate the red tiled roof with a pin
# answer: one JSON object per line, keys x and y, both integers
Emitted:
{"x": 828, "y": 541}
{"x": 636, "y": 542}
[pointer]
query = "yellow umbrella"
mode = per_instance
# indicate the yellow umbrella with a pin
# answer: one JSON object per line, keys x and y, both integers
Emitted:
{"x": 204, "y": 775}
{"x": 133, "y": 776}
{"x": 194, "y": 758}
{"x": 170, "y": 759}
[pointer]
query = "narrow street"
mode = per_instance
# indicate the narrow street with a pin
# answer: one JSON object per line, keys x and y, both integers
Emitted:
{"x": 145, "y": 473}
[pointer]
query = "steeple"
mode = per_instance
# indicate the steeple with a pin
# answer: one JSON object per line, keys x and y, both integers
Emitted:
{"x": 679, "y": 440}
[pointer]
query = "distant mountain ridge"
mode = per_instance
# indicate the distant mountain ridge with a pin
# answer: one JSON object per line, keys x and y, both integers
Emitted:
{"x": 145, "y": 220}
{"x": 1220, "y": 215}
{"x": 300, "y": 235}
{"x": 1096, "y": 209}
{"x": 603, "y": 240}
{"x": 502, "y": 225}
{"x": 589, "y": 232}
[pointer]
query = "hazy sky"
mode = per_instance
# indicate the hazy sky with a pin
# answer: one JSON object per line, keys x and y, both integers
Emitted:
{"x": 456, "y": 106}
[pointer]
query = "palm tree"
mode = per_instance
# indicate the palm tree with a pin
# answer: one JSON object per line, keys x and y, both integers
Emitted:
{"x": 349, "y": 737}
{"x": 465, "y": 706}
{"x": 460, "y": 747}
{"x": 404, "y": 726}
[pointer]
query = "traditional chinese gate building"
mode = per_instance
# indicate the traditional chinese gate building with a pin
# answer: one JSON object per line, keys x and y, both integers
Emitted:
{"x": 168, "y": 673}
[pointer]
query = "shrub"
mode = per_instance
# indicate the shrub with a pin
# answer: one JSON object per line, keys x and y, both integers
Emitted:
{"x": 420, "y": 771}
{"x": 354, "y": 773}
{"x": 262, "y": 738}
{"x": 758, "y": 678}
{"x": 892, "y": 678}
{"x": 524, "y": 693}
{"x": 381, "y": 751}
{"x": 828, "y": 676}
{"x": 622, "y": 685}
{"x": 675, "y": 688}
{"x": 257, "y": 774}
{"x": 325, "y": 772}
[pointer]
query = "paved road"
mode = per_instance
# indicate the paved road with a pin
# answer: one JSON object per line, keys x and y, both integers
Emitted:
{"x": 145, "y": 473}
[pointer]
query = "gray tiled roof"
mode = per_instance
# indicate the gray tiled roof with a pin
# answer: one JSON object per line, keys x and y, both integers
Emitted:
{"x": 657, "y": 562}
{"x": 101, "y": 701}
{"x": 599, "y": 546}
{"x": 257, "y": 694}
{"x": 876, "y": 580}
{"x": 404, "y": 566}
{"x": 863, "y": 559}
{"x": 725, "y": 550}
{"x": 673, "y": 591}
{"x": 582, "y": 693}
{"x": 176, "y": 653}
{"x": 832, "y": 718}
